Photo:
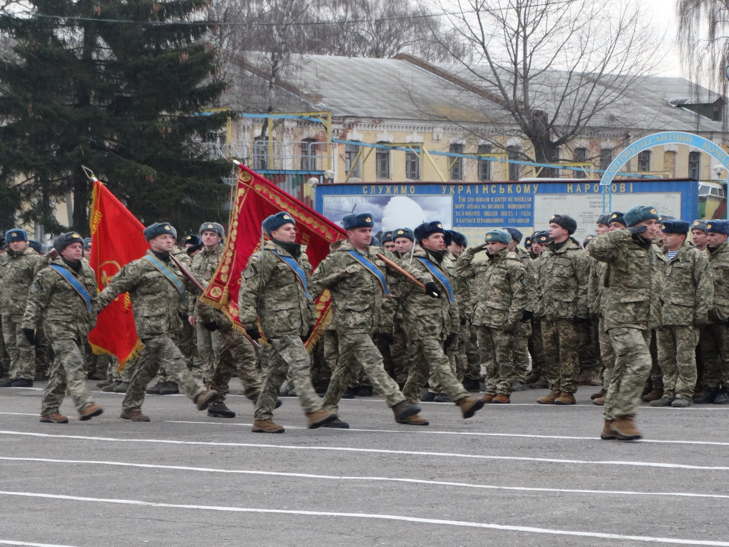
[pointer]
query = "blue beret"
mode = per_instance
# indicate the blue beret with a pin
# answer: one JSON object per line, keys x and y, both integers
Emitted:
{"x": 566, "y": 222}
{"x": 617, "y": 216}
{"x": 699, "y": 225}
{"x": 274, "y": 222}
{"x": 674, "y": 227}
{"x": 387, "y": 236}
{"x": 501, "y": 236}
{"x": 604, "y": 219}
{"x": 158, "y": 229}
{"x": 212, "y": 227}
{"x": 357, "y": 220}
{"x": 448, "y": 237}
{"x": 459, "y": 239}
{"x": 589, "y": 238}
{"x": 192, "y": 239}
{"x": 515, "y": 234}
{"x": 717, "y": 227}
{"x": 16, "y": 234}
{"x": 640, "y": 213}
{"x": 64, "y": 240}
{"x": 427, "y": 229}
{"x": 541, "y": 237}
{"x": 403, "y": 232}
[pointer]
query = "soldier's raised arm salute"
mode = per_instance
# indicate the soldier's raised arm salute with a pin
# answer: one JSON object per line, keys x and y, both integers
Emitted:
{"x": 156, "y": 287}
{"x": 275, "y": 290}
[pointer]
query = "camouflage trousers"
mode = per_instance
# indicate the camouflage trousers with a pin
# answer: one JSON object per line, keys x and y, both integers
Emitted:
{"x": 632, "y": 367}
{"x": 473, "y": 358}
{"x": 208, "y": 348}
{"x": 607, "y": 356}
{"x": 358, "y": 350}
{"x": 399, "y": 355}
{"x": 159, "y": 351}
{"x": 287, "y": 354}
{"x": 456, "y": 364}
{"x": 536, "y": 349}
{"x": 430, "y": 359}
{"x": 520, "y": 348}
{"x": 497, "y": 350}
{"x": 236, "y": 353}
{"x": 21, "y": 353}
{"x": 588, "y": 352}
{"x": 328, "y": 350}
{"x": 677, "y": 358}
{"x": 656, "y": 374}
{"x": 125, "y": 374}
{"x": 67, "y": 371}
{"x": 561, "y": 352}
{"x": 715, "y": 354}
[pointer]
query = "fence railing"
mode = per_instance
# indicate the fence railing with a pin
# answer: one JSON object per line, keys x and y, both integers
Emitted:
{"x": 263, "y": 155}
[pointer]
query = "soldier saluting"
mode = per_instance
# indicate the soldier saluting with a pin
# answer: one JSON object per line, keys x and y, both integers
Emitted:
{"x": 156, "y": 288}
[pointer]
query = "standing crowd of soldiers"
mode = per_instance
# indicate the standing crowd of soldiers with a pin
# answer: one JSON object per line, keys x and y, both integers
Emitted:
{"x": 638, "y": 309}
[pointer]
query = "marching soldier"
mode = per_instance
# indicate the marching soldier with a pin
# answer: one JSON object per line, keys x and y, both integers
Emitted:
{"x": 156, "y": 287}
{"x": 61, "y": 299}
{"x": 520, "y": 341}
{"x": 275, "y": 289}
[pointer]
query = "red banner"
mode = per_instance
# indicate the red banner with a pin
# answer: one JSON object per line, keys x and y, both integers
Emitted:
{"x": 255, "y": 198}
{"x": 117, "y": 239}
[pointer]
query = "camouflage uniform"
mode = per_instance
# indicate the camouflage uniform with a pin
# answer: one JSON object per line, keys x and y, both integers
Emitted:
{"x": 715, "y": 336}
{"x": 631, "y": 308}
{"x": 271, "y": 291}
{"x": 563, "y": 278}
{"x": 500, "y": 303}
{"x": 156, "y": 304}
{"x": 357, "y": 312}
{"x": 18, "y": 271}
{"x": 208, "y": 343}
{"x": 428, "y": 321}
{"x": 688, "y": 294}
{"x": 595, "y": 302}
{"x": 523, "y": 330}
{"x": 535, "y": 343}
{"x": 66, "y": 320}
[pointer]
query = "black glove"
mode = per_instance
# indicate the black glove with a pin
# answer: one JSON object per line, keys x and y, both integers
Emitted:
{"x": 527, "y": 316}
{"x": 253, "y": 333}
{"x": 384, "y": 337}
{"x": 580, "y": 320}
{"x": 636, "y": 230}
{"x": 212, "y": 327}
{"x": 594, "y": 318}
{"x": 449, "y": 341}
{"x": 536, "y": 320}
{"x": 431, "y": 289}
{"x": 307, "y": 335}
{"x": 30, "y": 335}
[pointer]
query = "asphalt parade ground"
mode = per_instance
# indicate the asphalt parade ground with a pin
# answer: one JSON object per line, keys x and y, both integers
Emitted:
{"x": 518, "y": 474}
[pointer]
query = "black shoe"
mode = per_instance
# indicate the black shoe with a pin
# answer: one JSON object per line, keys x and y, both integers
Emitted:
{"x": 155, "y": 389}
{"x": 429, "y": 397}
{"x": 170, "y": 388}
{"x": 337, "y": 424}
{"x": 469, "y": 384}
{"x": 8, "y": 382}
{"x": 219, "y": 410}
{"x": 707, "y": 397}
{"x": 365, "y": 391}
{"x": 279, "y": 402}
{"x": 22, "y": 382}
{"x": 349, "y": 394}
{"x": 441, "y": 398}
{"x": 722, "y": 398}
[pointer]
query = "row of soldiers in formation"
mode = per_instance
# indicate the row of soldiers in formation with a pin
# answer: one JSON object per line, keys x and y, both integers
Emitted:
{"x": 422, "y": 305}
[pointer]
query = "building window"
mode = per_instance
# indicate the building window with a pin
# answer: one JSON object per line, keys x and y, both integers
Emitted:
{"x": 412, "y": 166}
{"x": 606, "y": 158}
{"x": 457, "y": 163}
{"x": 514, "y": 153}
{"x": 694, "y": 170}
{"x": 644, "y": 161}
{"x": 484, "y": 165}
{"x": 308, "y": 155}
{"x": 580, "y": 156}
{"x": 350, "y": 167}
{"x": 260, "y": 154}
{"x": 383, "y": 163}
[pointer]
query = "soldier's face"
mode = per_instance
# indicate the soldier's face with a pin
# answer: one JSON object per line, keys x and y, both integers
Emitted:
{"x": 403, "y": 245}
{"x": 673, "y": 242}
{"x": 210, "y": 238}
{"x": 162, "y": 243}
{"x": 617, "y": 226}
{"x": 434, "y": 242}
{"x": 653, "y": 228}
{"x": 716, "y": 239}
{"x": 537, "y": 249}
{"x": 700, "y": 238}
{"x": 360, "y": 237}
{"x": 557, "y": 233}
{"x": 390, "y": 246}
{"x": 285, "y": 234}
{"x": 601, "y": 229}
{"x": 73, "y": 252}
{"x": 17, "y": 245}
{"x": 454, "y": 248}
{"x": 494, "y": 247}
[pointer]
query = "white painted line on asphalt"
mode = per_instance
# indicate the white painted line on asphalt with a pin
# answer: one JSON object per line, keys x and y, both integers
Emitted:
{"x": 37, "y": 414}
{"x": 416, "y": 520}
{"x": 365, "y": 478}
{"x": 374, "y": 451}
{"x": 11, "y": 542}
{"x": 423, "y": 431}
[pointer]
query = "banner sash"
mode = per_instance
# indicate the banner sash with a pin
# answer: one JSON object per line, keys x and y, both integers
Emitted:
{"x": 291, "y": 263}
{"x": 374, "y": 270}
{"x": 75, "y": 283}
{"x": 439, "y": 275}
{"x": 169, "y": 275}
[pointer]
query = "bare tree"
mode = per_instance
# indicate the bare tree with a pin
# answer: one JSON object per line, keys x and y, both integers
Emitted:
{"x": 554, "y": 65}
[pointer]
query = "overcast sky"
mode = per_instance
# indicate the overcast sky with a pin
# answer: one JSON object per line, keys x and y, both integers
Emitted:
{"x": 663, "y": 13}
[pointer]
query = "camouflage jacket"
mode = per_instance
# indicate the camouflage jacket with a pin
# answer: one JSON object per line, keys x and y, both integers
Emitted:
{"x": 271, "y": 291}
{"x": 54, "y": 302}
{"x": 18, "y": 271}
{"x": 563, "y": 277}
{"x": 596, "y": 286}
{"x": 156, "y": 301}
{"x": 501, "y": 287}
{"x": 688, "y": 290}
{"x": 633, "y": 280}
{"x": 719, "y": 263}
{"x": 423, "y": 315}
{"x": 358, "y": 303}
{"x": 461, "y": 286}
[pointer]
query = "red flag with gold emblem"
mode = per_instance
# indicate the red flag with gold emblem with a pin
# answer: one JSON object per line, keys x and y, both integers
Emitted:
{"x": 254, "y": 199}
{"x": 117, "y": 238}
